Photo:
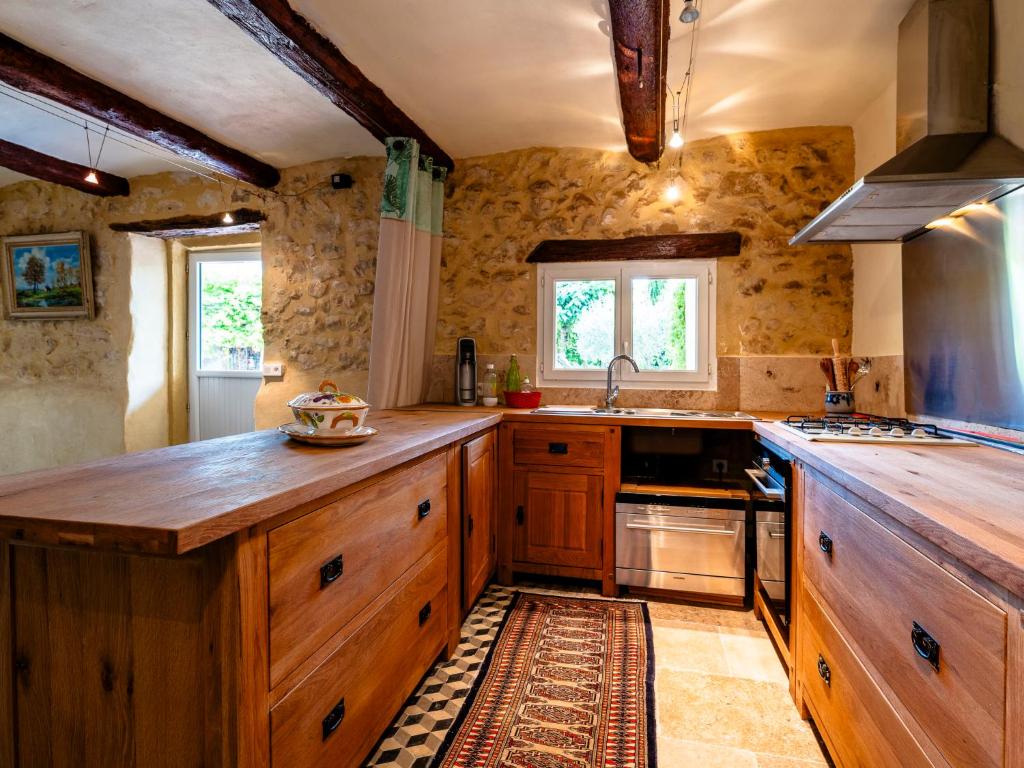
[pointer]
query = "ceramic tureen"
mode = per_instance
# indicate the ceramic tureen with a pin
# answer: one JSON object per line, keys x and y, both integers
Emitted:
{"x": 329, "y": 411}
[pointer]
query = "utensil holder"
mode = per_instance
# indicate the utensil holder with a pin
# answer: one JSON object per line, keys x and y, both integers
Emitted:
{"x": 838, "y": 402}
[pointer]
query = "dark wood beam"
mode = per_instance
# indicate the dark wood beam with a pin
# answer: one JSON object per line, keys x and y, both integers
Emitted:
{"x": 292, "y": 39}
{"x": 640, "y": 35}
{"x": 245, "y": 220}
{"x": 47, "y": 168}
{"x": 34, "y": 72}
{"x": 706, "y": 245}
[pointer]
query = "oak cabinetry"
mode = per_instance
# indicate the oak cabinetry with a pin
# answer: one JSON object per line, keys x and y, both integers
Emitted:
{"x": 479, "y": 515}
{"x": 559, "y": 519}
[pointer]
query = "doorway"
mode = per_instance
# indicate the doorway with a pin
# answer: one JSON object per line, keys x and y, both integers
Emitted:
{"x": 225, "y": 341}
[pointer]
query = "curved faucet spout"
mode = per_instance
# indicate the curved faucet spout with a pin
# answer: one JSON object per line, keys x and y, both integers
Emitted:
{"x": 613, "y": 392}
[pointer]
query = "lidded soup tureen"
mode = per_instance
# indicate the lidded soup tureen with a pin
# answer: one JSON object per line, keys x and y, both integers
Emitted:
{"x": 329, "y": 411}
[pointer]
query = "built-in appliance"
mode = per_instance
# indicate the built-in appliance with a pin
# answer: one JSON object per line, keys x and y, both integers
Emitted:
{"x": 862, "y": 428}
{"x": 465, "y": 371}
{"x": 771, "y": 477}
{"x": 947, "y": 157}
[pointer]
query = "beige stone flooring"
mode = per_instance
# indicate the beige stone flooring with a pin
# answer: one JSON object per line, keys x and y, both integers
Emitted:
{"x": 722, "y": 695}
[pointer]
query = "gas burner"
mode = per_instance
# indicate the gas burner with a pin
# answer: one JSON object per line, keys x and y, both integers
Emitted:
{"x": 865, "y": 428}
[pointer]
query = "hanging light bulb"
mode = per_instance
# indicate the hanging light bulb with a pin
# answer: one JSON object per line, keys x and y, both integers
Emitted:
{"x": 690, "y": 12}
{"x": 673, "y": 193}
{"x": 676, "y": 141}
{"x": 91, "y": 177}
{"x": 227, "y": 218}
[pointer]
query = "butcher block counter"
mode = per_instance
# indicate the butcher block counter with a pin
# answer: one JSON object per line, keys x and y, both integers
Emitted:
{"x": 247, "y": 601}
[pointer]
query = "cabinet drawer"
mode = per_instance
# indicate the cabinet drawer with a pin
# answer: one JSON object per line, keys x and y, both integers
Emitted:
{"x": 894, "y": 605}
{"x": 861, "y": 726}
{"x": 336, "y": 714}
{"x": 562, "y": 447}
{"x": 327, "y": 566}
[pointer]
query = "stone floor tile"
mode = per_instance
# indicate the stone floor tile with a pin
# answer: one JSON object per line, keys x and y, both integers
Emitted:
{"x": 685, "y": 753}
{"x": 688, "y": 646}
{"x": 753, "y": 657}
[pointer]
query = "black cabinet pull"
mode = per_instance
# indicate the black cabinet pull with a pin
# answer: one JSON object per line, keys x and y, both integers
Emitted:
{"x": 333, "y": 720}
{"x": 331, "y": 570}
{"x": 926, "y": 646}
{"x": 469, "y": 526}
{"x": 519, "y": 514}
{"x": 562, "y": 448}
{"x": 423, "y": 509}
{"x": 424, "y": 613}
{"x": 824, "y": 672}
{"x": 825, "y": 543}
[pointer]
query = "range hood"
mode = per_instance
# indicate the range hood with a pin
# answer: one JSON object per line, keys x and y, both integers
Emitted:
{"x": 947, "y": 157}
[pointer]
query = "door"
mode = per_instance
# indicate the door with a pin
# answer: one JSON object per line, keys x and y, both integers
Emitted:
{"x": 479, "y": 515}
{"x": 558, "y": 518}
{"x": 225, "y": 341}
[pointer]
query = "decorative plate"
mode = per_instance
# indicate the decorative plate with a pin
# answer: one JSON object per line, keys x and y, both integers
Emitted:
{"x": 304, "y": 434}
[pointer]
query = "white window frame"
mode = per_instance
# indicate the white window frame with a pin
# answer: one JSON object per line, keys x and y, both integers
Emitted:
{"x": 704, "y": 271}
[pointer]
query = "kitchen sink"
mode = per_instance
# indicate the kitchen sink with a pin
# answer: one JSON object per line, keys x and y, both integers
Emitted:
{"x": 640, "y": 413}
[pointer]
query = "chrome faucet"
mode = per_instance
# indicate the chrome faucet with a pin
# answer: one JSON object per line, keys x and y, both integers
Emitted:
{"x": 613, "y": 392}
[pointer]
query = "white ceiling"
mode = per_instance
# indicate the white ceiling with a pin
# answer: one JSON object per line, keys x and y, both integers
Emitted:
{"x": 479, "y": 76}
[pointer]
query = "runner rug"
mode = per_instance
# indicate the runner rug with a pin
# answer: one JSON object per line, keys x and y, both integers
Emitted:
{"x": 568, "y": 683}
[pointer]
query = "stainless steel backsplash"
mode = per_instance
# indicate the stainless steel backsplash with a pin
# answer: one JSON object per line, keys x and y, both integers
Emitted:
{"x": 963, "y": 317}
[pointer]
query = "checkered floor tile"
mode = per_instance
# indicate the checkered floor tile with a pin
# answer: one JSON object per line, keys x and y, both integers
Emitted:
{"x": 419, "y": 730}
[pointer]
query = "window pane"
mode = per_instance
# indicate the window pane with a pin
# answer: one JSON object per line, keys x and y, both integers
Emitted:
{"x": 230, "y": 332}
{"x": 584, "y": 324}
{"x": 664, "y": 323}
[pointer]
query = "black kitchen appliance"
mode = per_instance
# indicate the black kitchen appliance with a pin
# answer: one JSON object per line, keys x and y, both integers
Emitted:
{"x": 771, "y": 478}
{"x": 465, "y": 371}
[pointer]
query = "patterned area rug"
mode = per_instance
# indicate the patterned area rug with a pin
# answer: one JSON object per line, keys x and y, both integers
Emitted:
{"x": 568, "y": 683}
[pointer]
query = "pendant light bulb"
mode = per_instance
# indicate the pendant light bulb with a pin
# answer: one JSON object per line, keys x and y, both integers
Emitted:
{"x": 676, "y": 141}
{"x": 91, "y": 177}
{"x": 690, "y": 12}
{"x": 228, "y": 218}
{"x": 673, "y": 193}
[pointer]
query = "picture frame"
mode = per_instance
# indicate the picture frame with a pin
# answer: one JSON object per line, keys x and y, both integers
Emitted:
{"x": 47, "y": 277}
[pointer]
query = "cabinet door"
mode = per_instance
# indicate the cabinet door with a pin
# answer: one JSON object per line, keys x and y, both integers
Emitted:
{"x": 558, "y": 518}
{"x": 479, "y": 515}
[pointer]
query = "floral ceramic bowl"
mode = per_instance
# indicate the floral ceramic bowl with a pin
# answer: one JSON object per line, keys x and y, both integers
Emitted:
{"x": 329, "y": 411}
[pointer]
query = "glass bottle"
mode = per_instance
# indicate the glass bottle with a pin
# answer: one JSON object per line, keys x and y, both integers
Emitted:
{"x": 489, "y": 389}
{"x": 527, "y": 386}
{"x": 513, "y": 379}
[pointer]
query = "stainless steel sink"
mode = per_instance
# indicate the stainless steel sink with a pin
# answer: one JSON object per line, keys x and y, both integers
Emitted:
{"x": 640, "y": 413}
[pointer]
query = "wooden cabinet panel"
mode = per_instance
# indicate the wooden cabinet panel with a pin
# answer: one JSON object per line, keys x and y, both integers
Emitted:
{"x": 335, "y": 716}
{"x": 479, "y": 515}
{"x": 886, "y": 595}
{"x": 559, "y": 518}
{"x": 325, "y": 567}
{"x": 559, "y": 447}
{"x": 859, "y": 724}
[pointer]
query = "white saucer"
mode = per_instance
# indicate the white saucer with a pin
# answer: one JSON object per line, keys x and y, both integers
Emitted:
{"x": 299, "y": 431}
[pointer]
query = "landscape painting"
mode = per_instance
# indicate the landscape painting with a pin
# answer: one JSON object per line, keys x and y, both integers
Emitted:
{"x": 48, "y": 276}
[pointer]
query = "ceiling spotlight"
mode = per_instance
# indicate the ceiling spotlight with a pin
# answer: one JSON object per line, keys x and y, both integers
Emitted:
{"x": 228, "y": 218}
{"x": 690, "y": 12}
{"x": 91, "y": 177}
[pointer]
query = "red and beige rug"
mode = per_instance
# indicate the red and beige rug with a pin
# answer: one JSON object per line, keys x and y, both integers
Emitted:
{"x": 568, "y": 683}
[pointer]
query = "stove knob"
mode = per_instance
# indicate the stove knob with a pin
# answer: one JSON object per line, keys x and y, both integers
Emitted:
{"x": 855, "y": 431}
{"x": 875, "y": 431}
{"x": 918, "y": 432}
{"x": 896, "y": 432}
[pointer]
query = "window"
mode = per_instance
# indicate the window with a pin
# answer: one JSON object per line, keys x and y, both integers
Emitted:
{"x": 228, "y": 297}
{"x": 660, "y": 313}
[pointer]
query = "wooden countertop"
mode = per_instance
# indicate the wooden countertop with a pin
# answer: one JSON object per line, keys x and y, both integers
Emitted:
{"x": 173, "y": 500}
{"x": 967, "y": 500}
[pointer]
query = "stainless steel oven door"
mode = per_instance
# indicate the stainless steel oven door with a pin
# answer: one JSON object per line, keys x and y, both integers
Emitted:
{"x": 771, "y": 553}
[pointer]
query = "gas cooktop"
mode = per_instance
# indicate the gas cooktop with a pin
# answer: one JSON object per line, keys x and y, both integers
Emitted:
{"x": 864, "y": 428}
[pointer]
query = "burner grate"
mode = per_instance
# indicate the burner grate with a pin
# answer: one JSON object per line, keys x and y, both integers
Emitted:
{"x": 840, "y": 424}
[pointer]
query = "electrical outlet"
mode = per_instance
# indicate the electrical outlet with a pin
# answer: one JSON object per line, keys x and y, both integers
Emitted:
{"x": 719, "y": 466}
{"x": 273, "y": 369}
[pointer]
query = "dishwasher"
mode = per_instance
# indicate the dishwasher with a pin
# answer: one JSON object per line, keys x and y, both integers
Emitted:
{"x": 681, "y": 543}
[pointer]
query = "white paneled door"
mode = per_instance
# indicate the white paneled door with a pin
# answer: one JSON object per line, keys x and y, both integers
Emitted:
{"x": 225, "y": 341}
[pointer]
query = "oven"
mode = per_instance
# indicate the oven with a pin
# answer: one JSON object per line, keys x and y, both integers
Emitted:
{"x": 771, "y": 476}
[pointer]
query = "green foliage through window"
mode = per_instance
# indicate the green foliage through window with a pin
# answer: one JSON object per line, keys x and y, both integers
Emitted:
{"x": 230, "y": 301}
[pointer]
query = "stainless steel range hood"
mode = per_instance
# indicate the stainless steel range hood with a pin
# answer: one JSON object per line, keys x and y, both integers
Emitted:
{"x": 947, "y": 157}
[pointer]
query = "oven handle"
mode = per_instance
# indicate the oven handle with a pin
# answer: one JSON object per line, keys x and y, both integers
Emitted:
{"x": 774, "y": 535}
{"x": 771, "y": 493}
{"x": 681, "y": 529}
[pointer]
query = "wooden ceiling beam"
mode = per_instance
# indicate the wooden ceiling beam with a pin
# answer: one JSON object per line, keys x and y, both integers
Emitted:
{"x": 687, "y": 245}
{"x": 34, "y": 72}
{"x": 243, "y": 220}
{"x": 640, "y": 32}
{"x": 47, "y": 168}
{"x": 293, "y": 40}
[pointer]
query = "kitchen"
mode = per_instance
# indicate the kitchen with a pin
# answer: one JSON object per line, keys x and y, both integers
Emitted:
{"x": 647, "y": 430}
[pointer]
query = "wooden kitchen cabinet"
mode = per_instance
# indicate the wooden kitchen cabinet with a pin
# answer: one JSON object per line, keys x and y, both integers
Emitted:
{"x": 559, "y": 519}
{"x": 479, "y": 515}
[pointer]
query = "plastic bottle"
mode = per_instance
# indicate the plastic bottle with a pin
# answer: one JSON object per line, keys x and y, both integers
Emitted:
{"x": 489, "y": 390}
{"x": 513, "y": 379}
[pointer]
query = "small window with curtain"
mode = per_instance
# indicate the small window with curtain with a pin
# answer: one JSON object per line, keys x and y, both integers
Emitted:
{"x": 660, "y": 313}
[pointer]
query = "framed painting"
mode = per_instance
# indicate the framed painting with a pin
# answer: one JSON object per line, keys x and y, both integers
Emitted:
{"x": 47, "y": 276}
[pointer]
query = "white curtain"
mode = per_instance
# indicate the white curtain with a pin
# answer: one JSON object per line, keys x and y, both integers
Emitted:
{"x": 408, "y": 277}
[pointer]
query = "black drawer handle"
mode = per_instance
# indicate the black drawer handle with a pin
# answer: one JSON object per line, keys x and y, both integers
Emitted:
{"x": 423, "y": 509}
{"x": 825, "y": 543}
{"x": 562, "y": 448}
{"x": 824, "y": 672}
{"x": 925, "y": 645}
{"x": 331, "y": 570}
{"x": 424, "y": 613}
{"x": 469, "y": 526}
{"x": 520, "y": 514}
{"x": 333, "y": 720}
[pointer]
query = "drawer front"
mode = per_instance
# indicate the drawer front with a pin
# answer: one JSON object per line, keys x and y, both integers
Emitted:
{"x": 861, "y": 726}
{"x": 697, "y": 545}
{"x": 335, "y": 716}
{"x": 903, "y": 612}
{"x": 563, "y": 447}
{"x": 327, "y": 566}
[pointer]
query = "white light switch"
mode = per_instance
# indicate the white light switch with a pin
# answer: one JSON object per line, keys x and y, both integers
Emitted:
{"x": 273, "y": 369}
